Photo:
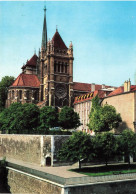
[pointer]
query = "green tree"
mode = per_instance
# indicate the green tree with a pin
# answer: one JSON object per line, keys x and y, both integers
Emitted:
{"x": 128, "y": 143}
{"x": 68, "y": 119}
{"x": 4, "y": 84}
{"x": 103, "y": 118}
{"x": 28, "y": 116}
{"x": 76, "y": 148}
{"x": 19, "y": 118}
{"x": 7, "y": 117}
{"x": 48, "y": 118}
{"x": 105, "y": 146}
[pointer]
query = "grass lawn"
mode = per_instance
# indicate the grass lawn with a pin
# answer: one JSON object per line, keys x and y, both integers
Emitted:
{"x": 107, "y": 170}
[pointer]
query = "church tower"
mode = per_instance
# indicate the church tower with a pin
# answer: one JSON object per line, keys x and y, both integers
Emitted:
{"x": 56, "y": 70}
{"x": 42, "y": 55}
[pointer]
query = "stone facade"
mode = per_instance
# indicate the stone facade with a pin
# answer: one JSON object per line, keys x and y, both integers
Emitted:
{"x": 36, "y": 149}
{"x": 56, "y": 73}
{"x": 22, "y": 95}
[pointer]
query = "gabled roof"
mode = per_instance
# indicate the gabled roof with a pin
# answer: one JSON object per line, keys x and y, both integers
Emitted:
{"x": 120, "y": 90}
{"x": 26, "y": 80}
{"x": 58, "y": 42}
{"x": 31, "y": 62}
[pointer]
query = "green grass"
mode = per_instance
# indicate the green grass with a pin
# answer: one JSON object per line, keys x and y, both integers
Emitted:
{"x": 107, "y": 170}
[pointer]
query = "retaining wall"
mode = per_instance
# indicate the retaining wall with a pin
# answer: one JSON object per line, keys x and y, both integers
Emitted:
{"x": 31, "y": 148}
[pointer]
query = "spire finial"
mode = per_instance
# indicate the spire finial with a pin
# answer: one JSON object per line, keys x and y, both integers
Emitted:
{"x": 45, "y": 9}
{"x": 56, "y": 28}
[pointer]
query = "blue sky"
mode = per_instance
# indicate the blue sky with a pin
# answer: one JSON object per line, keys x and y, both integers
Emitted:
{"x": 103, "y": 35}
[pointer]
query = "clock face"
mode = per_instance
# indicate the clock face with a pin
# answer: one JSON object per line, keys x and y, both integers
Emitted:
{"x": 61, "y": 91}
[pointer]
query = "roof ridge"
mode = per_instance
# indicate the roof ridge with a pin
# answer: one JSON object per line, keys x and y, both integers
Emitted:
{"x": 23, "y": 79}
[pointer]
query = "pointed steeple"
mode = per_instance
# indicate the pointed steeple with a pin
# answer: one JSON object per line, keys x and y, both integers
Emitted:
{"x": 44, "y": 34}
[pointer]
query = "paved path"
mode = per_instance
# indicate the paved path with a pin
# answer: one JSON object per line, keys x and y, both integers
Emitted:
{"x": 61, "y": 171}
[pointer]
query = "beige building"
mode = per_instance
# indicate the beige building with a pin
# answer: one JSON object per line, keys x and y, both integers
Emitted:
{"x": 124, "y": 100}
{"x": 82, "y": 104}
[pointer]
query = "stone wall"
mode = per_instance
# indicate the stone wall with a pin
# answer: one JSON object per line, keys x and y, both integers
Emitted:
{"x": 21, "y": 183}
{"x": 31, "y": 148}
{"x": 125, "y": 187}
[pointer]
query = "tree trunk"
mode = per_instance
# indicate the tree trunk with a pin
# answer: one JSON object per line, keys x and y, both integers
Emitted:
{"x": 129, "y": 160}
{"x": 79, "y": 162}
{"x": 106, "y": 161}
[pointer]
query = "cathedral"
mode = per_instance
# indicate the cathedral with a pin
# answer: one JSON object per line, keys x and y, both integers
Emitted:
{"x": 47, "y": 79}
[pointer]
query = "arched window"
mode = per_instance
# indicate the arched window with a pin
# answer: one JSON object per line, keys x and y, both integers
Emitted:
{"x": 12, "y": 94}
{"x": 62, "y": 68}
{"x": 28, "y": 95}
{"x": 55, "y": 67}
{"x": 20, "y": 94}
{"x": 58, "y": 67}
{"x": 66, "y": 68}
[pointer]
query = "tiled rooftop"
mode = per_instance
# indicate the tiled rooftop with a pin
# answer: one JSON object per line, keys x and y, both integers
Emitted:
{"x": 26, "y": 80}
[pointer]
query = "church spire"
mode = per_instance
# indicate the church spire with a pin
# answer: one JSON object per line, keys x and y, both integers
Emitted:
{"x": 44, "y": 34}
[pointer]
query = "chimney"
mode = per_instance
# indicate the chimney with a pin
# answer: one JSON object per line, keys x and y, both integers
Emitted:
{"x": 129, "y": 85}
{"x": 103, "y": 86}
{"x": 92, "y": 87}
{"x": 125, "y": 86}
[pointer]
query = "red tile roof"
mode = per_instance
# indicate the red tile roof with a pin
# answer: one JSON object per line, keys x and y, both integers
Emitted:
{"x": 58, "y": 42}
{"x": 81, "y": 86}
{"x": 117, "y": 91}
{"x": 26, "y": 80}
{"x": 120, "y": 90}
{"x": 31, "y": 62}
{"x": 87, "y": 87}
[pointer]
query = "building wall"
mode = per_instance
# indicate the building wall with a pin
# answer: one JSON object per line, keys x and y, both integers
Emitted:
{"x": 31, "y": 148}
{"x": 83, "y": 109}
{"x": 125, "y": 104}
{"x": 27, "y": 95}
